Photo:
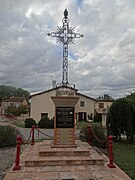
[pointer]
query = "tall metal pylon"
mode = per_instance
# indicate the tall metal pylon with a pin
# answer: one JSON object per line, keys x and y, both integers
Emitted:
{"x": 65, "y": 35}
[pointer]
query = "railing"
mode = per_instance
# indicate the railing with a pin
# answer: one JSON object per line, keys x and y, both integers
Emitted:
{"x": 109, "y": 141}
{"x": 19, "y": 142}
{"x": 91, "y": 132}
{"x": 32, "y": 137}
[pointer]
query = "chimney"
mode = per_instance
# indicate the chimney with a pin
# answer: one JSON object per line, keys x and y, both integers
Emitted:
{"x": 53, "y": 83}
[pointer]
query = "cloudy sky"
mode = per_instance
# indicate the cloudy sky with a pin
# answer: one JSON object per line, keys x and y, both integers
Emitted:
{"x": 103, "y": 62}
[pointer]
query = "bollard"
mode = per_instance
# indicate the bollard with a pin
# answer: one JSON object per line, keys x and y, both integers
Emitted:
{"x": 111, "y": 164}
{"x": 18, "y": 149}
{"x": 33, "y": 129}
{"x": 89, "y": 135}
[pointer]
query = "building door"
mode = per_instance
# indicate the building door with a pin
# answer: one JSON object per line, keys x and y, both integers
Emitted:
{"x": 44, "y": 115}
{"x": 82, "y": 116}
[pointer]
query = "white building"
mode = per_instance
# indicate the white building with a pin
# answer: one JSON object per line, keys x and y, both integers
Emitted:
{"x": 102, "y": 109}
{"x": 42, "y": 105}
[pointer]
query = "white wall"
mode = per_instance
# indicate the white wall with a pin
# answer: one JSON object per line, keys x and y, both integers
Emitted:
{"x": 88, "y": 105}
{"x": 43, "y": 103}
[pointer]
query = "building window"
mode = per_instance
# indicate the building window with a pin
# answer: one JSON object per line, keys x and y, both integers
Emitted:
{"x": 44, "y": 115}
{"x": 101, "y": 105}
{"x": 81, "y": 103}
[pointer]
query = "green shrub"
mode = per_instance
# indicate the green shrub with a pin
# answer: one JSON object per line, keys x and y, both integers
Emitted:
{"x": 97, "y": 118}
{"x": 8, "y": 136}
{"x": 99, "y": 132}
{"x": 46, "y": 123}
{"x": 29, "y": 122}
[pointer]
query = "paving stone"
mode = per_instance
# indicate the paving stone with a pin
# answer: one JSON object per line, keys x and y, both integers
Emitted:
{"x": 47, "y": 176}
{"x": 67, "y": 175}
{"x": 66, "y": 168}
{"x": 98, "y": 167}
{"x": 13, "y": 176}
{"x": 103, "y": 174}
{"x": 30, "y": 169}
{"x": 80, "y": 175}
{"x": 48, "y": 168}
{"x": 28, "y": 176}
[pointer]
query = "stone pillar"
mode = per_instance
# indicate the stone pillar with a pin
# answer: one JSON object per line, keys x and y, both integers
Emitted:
{"x": 64, "y": 121}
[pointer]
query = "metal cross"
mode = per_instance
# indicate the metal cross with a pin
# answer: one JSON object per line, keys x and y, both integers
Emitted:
{"x": 65, "y": 35}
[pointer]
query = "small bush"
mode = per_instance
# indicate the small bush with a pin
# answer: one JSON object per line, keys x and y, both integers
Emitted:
{"x": 29, "y": 122}
{"x": 8, "y": 136}
{"x": 97, "y": 118}
{"x": 46, "y": 123}
{"x": 99, "y": 133}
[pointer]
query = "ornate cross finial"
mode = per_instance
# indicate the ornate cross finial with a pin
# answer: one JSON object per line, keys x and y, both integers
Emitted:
{"x": 65, "y": 13}
{"x": 65, "y": 35}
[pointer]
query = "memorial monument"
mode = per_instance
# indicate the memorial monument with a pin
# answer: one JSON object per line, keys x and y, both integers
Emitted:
{"x": 65, "y": 99}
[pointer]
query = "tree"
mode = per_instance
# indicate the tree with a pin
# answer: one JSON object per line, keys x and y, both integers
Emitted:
{"x": 131, "y": 95}
{"x": 9, "y": 91}
{"x": 17, "y": 111}
{"x": 105, "y": 97}
{"x": 121, "y": 117}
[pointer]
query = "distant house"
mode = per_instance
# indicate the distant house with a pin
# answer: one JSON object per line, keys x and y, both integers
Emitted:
{"x": 13, "y": 101}
{"x": 42, "y": 105}
{"x": 102, "y": 109}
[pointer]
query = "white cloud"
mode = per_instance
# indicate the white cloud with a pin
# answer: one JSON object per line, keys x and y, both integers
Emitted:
{"x": 101, "y": 62}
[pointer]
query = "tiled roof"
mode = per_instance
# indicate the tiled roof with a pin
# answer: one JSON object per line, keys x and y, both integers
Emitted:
{"x": 15, "y": 99}
{"x": 58, "y": 88}
{"x": 39, "y": 93}
{"x": 86, "y": 96}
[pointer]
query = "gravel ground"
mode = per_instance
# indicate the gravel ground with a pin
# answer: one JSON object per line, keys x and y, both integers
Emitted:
{"x": 7, "y": 157}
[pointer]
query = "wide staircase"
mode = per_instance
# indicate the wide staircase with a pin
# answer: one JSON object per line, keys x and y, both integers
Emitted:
{"x": 47, "y": 155}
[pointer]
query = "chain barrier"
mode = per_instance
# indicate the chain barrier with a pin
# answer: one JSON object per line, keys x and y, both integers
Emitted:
{"x": 31, "y": 134}
{"x": 26, "y": 142}
{"x": 39, "y": 131}
{"x": 91, "y": 129}
{"x": 78, "y": 133}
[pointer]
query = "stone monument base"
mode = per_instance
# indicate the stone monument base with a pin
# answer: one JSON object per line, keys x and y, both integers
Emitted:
{"x": 63, "y": 145}
{"x": 40, "y": 161}
{"x": 64, "y": 121}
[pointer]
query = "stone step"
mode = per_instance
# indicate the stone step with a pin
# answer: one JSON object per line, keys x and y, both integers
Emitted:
{"x": 63, "y": 152}
{"x": 63, "y": 161}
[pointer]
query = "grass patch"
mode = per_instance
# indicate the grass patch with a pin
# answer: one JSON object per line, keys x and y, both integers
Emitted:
{"x": 124, "y": 157}
{"x": 20, "y": 124}
{"x": 82, "y": 124}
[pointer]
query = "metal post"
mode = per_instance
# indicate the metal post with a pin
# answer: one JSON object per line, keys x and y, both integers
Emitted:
{"x": 33, "y": 129}
{"x": 18, "y": 148}
{"x": 89, "y": 135}
{"x": 111, "y": 164}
